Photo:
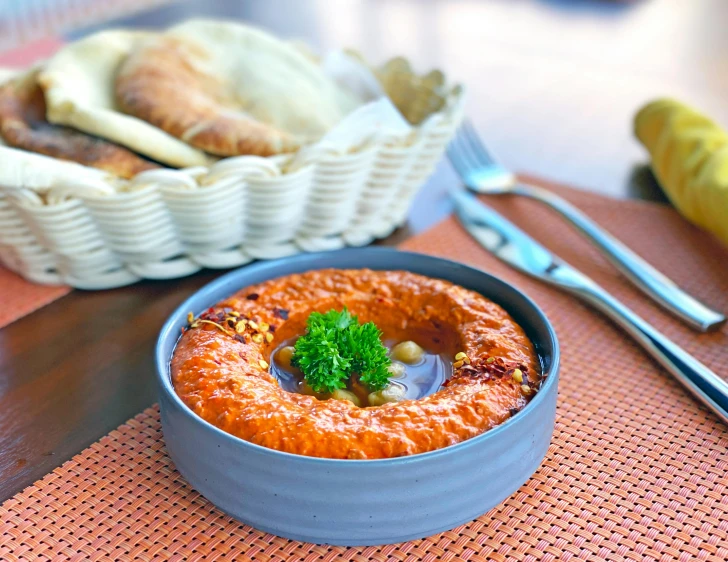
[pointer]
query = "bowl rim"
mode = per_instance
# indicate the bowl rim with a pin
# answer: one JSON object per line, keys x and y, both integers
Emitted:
{"x": 170, "y": 330}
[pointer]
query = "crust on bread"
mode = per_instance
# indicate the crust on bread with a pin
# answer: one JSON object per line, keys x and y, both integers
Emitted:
{"x": 23, "y": 125}
{"x": 158, "y": 72}
{"x": 230, "y": 89}
{"x": 78, "y": 83}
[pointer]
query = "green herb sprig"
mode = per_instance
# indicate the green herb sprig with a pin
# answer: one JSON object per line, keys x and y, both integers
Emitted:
{"x": 335, "y": 346}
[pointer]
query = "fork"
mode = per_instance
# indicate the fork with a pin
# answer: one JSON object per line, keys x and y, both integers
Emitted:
{"x": 481, "y": 173}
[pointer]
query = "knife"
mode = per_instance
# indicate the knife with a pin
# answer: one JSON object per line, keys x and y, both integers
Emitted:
{"x": 516, "y": 248}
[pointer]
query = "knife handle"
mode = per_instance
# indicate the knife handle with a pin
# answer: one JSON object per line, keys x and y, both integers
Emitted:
{"x": 638, "y": 271}
{"x": 703, "y": 383}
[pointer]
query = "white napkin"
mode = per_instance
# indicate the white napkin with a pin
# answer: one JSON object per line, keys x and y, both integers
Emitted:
{"x": 349, "y": 73}
{"x": 377, "y": 117}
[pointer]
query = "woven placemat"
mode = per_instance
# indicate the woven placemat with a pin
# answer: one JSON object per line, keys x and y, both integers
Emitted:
{"x": 636, "y": 470}
{"x": 20, "y": 297}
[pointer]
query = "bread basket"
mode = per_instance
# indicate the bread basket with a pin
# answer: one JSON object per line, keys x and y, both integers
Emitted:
{"x": 163, "y": 224}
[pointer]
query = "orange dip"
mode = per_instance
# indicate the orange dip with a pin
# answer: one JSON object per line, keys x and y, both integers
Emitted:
{"x": 222, "y": 373}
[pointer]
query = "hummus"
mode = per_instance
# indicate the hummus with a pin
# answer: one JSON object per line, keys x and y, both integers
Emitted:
{"x": 220, "y": 367}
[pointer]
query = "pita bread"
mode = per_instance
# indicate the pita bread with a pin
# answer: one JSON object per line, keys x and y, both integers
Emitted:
{"x": 23, "y": 125}
{"x": 230, "y": 89}
{"x": 6, "y": 74}
{"x": 21, "y": 169}
{"x": 79, "y": 90}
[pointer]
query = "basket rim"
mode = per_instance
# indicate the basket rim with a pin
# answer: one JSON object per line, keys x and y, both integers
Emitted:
{"x": 453, "y": 103}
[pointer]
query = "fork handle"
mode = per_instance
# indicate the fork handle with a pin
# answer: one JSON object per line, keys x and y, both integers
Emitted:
{"x": 653, "y": 283}
{"x": 698, "y": 379}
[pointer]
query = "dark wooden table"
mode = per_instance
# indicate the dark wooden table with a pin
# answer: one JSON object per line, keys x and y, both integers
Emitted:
{"x": 553, "y": 86}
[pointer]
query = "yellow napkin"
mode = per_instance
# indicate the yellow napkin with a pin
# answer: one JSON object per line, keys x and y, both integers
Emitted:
{"x": 690, "y": 159}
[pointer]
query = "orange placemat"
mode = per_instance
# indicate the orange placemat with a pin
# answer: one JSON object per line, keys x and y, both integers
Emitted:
{"x": 636, "y": 470}
{"x": 19, "y": 297}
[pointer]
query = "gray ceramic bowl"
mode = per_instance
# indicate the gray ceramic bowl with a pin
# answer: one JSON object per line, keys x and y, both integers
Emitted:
{"x": 360, "y": 502}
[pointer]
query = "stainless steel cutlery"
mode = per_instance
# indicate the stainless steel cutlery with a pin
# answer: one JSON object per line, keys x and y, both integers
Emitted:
{"x": 481, "y": 173}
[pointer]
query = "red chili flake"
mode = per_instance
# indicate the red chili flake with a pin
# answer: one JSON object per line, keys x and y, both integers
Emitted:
{"x": 271, "y": 328}
{"x": 252, "y": 297}
{"x": 281, "y": 313}
{"x": 472, "y": 371}
{"x": 486, "y": 368}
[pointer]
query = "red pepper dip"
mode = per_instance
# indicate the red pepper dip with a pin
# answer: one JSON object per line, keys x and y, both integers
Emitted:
{"x": 220, "y": 367}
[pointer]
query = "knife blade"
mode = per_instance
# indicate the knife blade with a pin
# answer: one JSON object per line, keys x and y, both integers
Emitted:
{"x": 502, "y": 238}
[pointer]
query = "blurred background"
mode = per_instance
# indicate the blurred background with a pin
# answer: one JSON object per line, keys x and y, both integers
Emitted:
{"x": 552, "y": 87}
{"x": 553, "y": 84}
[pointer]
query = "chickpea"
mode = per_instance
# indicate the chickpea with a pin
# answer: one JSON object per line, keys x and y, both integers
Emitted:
{"x": 305, "y": 388}
{"x": 408, "y": 352}
{"x": 393, "y": 393}
{"x": 341, "y": 394}
{"x": 284, "y": 356}
{"x": 396, "y": 370}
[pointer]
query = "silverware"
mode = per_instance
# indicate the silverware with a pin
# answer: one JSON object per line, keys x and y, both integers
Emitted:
{"x": 518, "y": 249}
{"x": 481, "y": 173}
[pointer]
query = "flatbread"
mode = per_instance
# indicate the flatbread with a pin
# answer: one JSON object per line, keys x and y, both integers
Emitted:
{"x": 79, "y": 90}
{"x": 22, "y": 169}
{"x": 230, "y": 89}
{"x": 7, "y": 74}
{"x": 23, "y": 125}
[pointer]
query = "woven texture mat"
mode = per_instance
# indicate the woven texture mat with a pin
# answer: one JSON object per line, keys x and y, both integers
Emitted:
{"x": 19, "y": 297}
{"x": 636, "y": 470}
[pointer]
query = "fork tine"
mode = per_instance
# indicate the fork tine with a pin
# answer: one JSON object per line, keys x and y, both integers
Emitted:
{"x": 464, "y": 145}
{"x": 457, "y": 152}
{"x": 474, "y": 164}
{"x": 479, "y": 151}
{"x": 473, "y": 146}
{"x": 467, "y": 152}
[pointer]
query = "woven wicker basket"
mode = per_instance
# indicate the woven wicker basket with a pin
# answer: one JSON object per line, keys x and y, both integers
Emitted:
{"x": 169, "y": 223}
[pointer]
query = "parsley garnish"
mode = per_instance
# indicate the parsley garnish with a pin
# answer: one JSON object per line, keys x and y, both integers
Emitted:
{"x": 335, "y": 346}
